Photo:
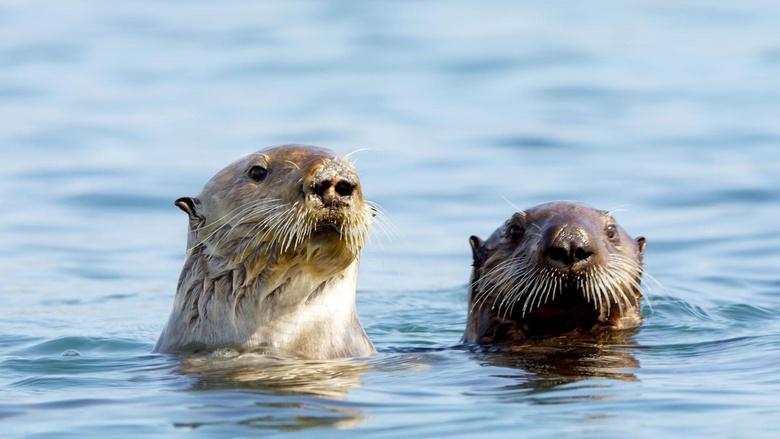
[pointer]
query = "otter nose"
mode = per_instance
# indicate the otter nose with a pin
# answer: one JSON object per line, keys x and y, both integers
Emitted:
{"x": 568, "y": 248}
{"x": 334, "y": 191}
{"x": 568, "y": 255}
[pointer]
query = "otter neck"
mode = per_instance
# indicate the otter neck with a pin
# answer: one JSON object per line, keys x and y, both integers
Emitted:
{"x": 290, "y": 305}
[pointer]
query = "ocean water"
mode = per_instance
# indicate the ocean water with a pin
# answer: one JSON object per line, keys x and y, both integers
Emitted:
{"x": 666, "y": 112}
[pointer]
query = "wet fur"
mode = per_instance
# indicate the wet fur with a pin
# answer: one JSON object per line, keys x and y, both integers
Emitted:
{"x": 515, "y": 296}
{"x": 267, "y": 267}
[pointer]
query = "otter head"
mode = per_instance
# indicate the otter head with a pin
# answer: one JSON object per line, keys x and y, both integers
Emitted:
{"x": 287, "y": 203}
{"x": 551, "y": 269}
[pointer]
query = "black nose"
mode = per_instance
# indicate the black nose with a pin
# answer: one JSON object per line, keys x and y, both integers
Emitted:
{"x": 333, "y": 192}
{"x": 568, "y": 255}
{"x": 569, "y": 247}
{"x": 345, "y": 188}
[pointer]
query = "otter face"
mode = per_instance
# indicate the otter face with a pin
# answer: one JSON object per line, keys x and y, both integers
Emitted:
{"x": 283, "y": 200}
{"x": 558, "y": 267}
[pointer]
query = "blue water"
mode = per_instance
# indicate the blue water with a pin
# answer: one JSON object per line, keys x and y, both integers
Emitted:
{"x": 665, "y": 111}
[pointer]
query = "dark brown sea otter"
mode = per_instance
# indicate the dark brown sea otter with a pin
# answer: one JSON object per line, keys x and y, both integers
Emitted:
{"x": 556, "y": 268}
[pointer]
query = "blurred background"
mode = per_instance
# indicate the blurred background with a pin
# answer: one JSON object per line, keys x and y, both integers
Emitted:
{"x": 665, "y": 112}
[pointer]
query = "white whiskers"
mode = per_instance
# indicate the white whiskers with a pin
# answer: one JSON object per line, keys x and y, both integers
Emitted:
{"x": 274, "y": 226}
{"x": 521, "y": 283}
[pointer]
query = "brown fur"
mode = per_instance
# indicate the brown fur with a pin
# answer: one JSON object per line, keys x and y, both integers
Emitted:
{"x": 522, "y": 289}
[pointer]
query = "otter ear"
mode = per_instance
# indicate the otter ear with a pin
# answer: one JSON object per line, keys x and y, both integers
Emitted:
{"x": 190, "y": 207}
{"x": 641, "y": 243}
{"x": 478, "y": 251}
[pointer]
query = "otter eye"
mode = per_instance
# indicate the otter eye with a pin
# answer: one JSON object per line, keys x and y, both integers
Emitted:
{"x": 257, "y": 173}
{"x": 611, "y": 231}
{"x": 515, "y": 232}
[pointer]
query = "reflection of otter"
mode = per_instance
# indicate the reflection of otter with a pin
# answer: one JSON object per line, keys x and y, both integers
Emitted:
{"x": 274, "y": 380}
{"x": 553, "y": 269}
{"x": 279, "y": 375}
{"x": 274, "y": 244}
{"x": 557, "y": 360}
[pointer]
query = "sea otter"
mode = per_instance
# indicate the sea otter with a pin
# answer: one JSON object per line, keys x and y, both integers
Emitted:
{"x": 555, "y": 268}
{"x": 273, "y": 250}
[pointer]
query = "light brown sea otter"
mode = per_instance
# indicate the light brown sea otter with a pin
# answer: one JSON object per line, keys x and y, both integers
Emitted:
{"x": 273, "y": 250}
{"x": 556, "y": 268}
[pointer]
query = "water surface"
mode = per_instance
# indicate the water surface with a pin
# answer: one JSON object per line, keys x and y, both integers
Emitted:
{"x": 665, "y": 112}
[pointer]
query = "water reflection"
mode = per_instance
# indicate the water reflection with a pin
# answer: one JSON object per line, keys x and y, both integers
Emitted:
{"x": 552, "y": 362}
{"x": 280, "y": 388}
{"x": 290, "y": 416}
{"x": 331, "y": 379}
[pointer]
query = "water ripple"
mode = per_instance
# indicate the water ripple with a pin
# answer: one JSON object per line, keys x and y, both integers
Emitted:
{"x": 112, "y": 110}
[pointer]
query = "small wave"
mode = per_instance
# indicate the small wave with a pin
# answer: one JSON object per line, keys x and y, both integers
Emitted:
{"x": 84, "y": 345}
{"x": 54, "y": 382}
{"x": 67, "y": 365}
{"x": 672, "y": 308}
{"x": 742, "y": 312}
{"x": 724, "y": 347}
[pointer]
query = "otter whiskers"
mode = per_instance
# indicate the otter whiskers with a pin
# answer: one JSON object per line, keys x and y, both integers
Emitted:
{"x": 519, "y": 282}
